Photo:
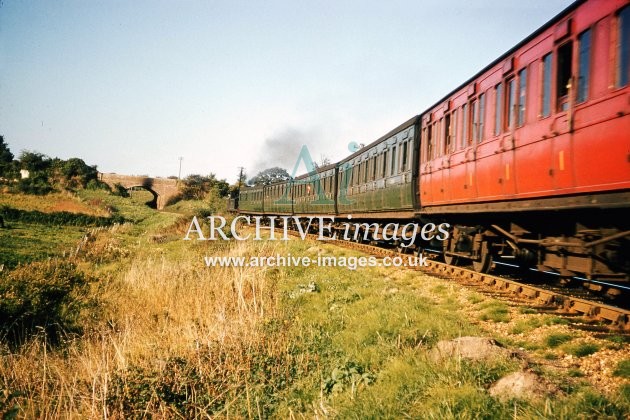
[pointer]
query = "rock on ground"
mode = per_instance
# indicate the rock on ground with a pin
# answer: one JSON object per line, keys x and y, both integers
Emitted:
{"x": 523, "y": 384}
{"x": 472, "y": 348}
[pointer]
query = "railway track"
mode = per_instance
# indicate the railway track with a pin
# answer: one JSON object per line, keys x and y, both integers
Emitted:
{"x": 616, "y": 318}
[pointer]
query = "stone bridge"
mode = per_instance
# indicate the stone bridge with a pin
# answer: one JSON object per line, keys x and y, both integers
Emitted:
{"x": 161, "y": 188}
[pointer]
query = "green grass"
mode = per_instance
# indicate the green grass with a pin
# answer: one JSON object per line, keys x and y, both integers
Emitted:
{"x": 554, "y": 320}
{"x": 525, "y": 326}
{"x": 623, "y": 369}
{"x": 575, "y": 373}
{"x": 188, "y": 207}
{"x": 21, "y": 243}
{"x": 475, "y": 298}
{"x": 526, "y": 310}
{"x": 357, "y": 344}
{"x": 383, "y": 330}
{"x": 581, "y": 350}
{"x": 495, "y": 311}
{"x": 556, "y": 339}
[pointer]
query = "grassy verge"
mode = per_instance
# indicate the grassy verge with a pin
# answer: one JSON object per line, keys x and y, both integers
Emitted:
{"x": 27, "y": 242}
{"x": 57, "y": 202}
{"x": 166, "y": 336}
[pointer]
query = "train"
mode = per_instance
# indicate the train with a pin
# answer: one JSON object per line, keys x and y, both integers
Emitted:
{"x": 527, "y": 161}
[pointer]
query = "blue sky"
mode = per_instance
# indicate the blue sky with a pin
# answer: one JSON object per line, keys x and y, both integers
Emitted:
{"x": 132, "y": 85}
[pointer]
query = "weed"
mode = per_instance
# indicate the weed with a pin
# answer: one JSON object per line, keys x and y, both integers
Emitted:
{"x": 527, "y": 310}
{"x": 495, "y": 312}
{"x": 350, "y": 375}
{"x": 581, "y": 350}
{"x": 475, "y": 298}
{"x": 623, "y": 369}
{"x": 525, "y": 326}
{"x": 42, "y": 296}
{"x": 556, "y": 339}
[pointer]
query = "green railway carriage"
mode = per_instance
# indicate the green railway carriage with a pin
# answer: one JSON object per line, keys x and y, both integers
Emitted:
{"x": 251, "y": 200}
{"x": 315, "y": 193}
{"x": 378, "y": 179}
{"x": 278, "y": 199}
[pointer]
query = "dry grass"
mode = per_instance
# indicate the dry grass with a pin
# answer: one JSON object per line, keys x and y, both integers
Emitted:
{"x": 162, "y": 316}
{"x": 55, "y": 202}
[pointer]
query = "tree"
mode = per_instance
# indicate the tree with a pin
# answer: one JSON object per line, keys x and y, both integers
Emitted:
{"x": 72, "y": 173}
{"x": 242, "y": 178}
{"x": 34, "y": 161}
{"x": 7, "y": 167}
{"x": 270, "y": 176}
{"x": 196, "y": 187}
{"x": 5, "y": 154}
{"x": 241, "y": 181}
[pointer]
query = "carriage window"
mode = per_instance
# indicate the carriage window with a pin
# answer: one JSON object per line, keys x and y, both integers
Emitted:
{"x": 474, "y": 115}
{"x": 374, "y": 161}
{"x": 365, "y": 171}
{"x": 498, "y": 93}
{"x": 447, "y": 134}
{"x": 384, "y": 161}
{"x": 563, "y": 75}
{"x": 584, "y": 67}
{"x": 510, "y": 94}
{"x": 623, "y": 51}
{"x": 437, "y": 133}
{"x": 429, "y": 142}
{"x": 481, "y": 117}
{"x": 522, "y": 96}
{"x": 456, "y": 122}
{"x": 404, "y": 156}
{"x": 464, "y": 126}
{"x": 393, "y": 162}
{"x": 546, "y": 87}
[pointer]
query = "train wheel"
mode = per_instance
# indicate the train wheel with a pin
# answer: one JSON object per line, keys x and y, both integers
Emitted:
{"x": 484, "y": 264}
{"x": 451, "y": 259}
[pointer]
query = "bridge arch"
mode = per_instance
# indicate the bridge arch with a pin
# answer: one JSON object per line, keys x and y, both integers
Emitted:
{"x": 153, "y": 203}
{"x": 163, "y": 189}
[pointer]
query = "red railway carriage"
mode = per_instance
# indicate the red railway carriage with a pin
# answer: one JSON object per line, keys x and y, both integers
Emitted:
{"x": 545, "y": 127}
{"x": 550, "y": 117}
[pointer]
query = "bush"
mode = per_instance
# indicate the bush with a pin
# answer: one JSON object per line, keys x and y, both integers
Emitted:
{"x": 43, "y": 297}
{"x": 120, "y": 190}
{"x": 37, "y": 184}
{"x": 95, "y": 184}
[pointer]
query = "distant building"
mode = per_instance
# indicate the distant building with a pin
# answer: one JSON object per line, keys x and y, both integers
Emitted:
{"x": 24, "y": 173}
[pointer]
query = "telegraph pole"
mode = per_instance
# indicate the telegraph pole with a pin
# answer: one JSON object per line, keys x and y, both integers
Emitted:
{"x": 240, "y": 178}
{"x": 179, "y": 177}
